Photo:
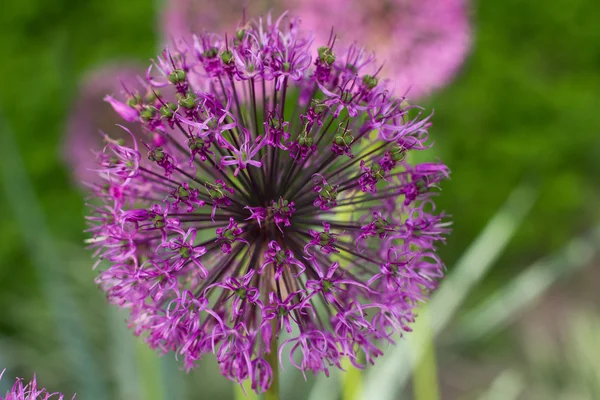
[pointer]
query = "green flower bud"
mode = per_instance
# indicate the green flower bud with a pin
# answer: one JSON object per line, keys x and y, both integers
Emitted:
{"x": 134, "y": 100}
{"x": 196, "y": 143}
{"x": 227, "y": 57}
{"x": 240, "y": 34}
{"x": 177, "y": 76}
{"x": 185, "y": 252}
{"x": 398, "y": 153}
{"x": 152, "y": 96}
{"x": 147, "y": 113}
{"x": 326, "y": 55}
{"x": 156, "y": 155}
{"x": 188, "y": 101}
{"x": 159, "y": 222}
{"x": 370, "y": 81}
{"x": 211, "y": 53}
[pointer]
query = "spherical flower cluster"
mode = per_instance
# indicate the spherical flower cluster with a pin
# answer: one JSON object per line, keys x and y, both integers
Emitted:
{"x": 29, "y": 391}
{"x": 272, "y": 199}
{"x": 424, "y": 42}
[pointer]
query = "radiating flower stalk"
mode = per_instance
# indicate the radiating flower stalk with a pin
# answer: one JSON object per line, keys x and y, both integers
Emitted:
{"x": 29, "y": 391}
{"x": 271, "y": 196}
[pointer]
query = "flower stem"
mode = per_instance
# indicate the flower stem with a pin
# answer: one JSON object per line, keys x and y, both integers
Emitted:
{"x": 272, "y": 358}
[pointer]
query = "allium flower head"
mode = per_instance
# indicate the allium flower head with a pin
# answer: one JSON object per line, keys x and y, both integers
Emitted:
{"x": 29, "y": 391}
{"x": 279, "y": 204}
{"x": 423, "y": 42}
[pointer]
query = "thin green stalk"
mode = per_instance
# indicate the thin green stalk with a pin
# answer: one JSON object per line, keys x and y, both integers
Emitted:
{"x": 244, "y": 391}
{"x": 351, "y": 381}
{"x": 425, "y": 380}
{"x": 508, "y": 385}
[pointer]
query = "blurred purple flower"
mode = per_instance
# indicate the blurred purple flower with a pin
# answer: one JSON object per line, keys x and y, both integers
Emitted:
{"x": 29, "y": 391}
{"x": 91, "y": 114}
{"x": 422, "y": 43}
{"x": 182, "y": 18}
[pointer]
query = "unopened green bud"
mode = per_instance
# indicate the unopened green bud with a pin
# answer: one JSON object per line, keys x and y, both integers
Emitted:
{"x": 147, "y": 113}
{"x": 184, "y": 252}
{"x": 370, "y": 81}
{"x": 227, "y": 57}
{"x": 177, "y": 76}
{"x": 398, "y": 153}
{"x": 188, "y": 101}
{"x": 326, "y": 55}
{"x": 152, "y": 96}
{"x": 156, "y": 155}
{"x": 134, "y": 100}
{"x": 240, "y": 34}
{"x": 211, "y": 53}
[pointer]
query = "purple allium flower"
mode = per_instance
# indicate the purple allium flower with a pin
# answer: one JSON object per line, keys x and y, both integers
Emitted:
{"x": 301, "y": 214}
{"x": 91, "y": 115}
{"x": 29, "y": 391}
{"x": 423, "y": 42}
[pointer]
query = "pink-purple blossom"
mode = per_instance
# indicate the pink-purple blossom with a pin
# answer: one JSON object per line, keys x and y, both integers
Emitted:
{"x": 422, "y": 43}
{"x": 29, "y": 391}
{"x": 262, "y": 207}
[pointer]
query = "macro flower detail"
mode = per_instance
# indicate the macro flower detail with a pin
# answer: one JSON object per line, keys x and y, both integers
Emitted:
{"x": 29, "y": 391}
{"x": 274, "y": 213}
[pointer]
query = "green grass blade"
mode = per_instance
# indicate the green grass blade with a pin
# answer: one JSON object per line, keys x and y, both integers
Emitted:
{"x": 501, "y": 308}
{"x": 387, "y": 377}
{"x": 123, "y": 356}
{"x": 326, "y": 388}
{"x": 425, "y": 379}
{"x": 507, "y": 386}
{"x": 173, "y": 377}
{"x": 244, "y": 392}
{"x": 48, "y": 262}
{"x": 148, "y": 363}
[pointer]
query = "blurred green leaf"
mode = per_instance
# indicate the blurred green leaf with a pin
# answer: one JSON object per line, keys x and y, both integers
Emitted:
{"x": 425, "y": 380}
{"x": 389, "y": 376}
{"x": 47, "y": 260}
{"x": 507, "y": 386}
{"x": 504, "y": 306}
